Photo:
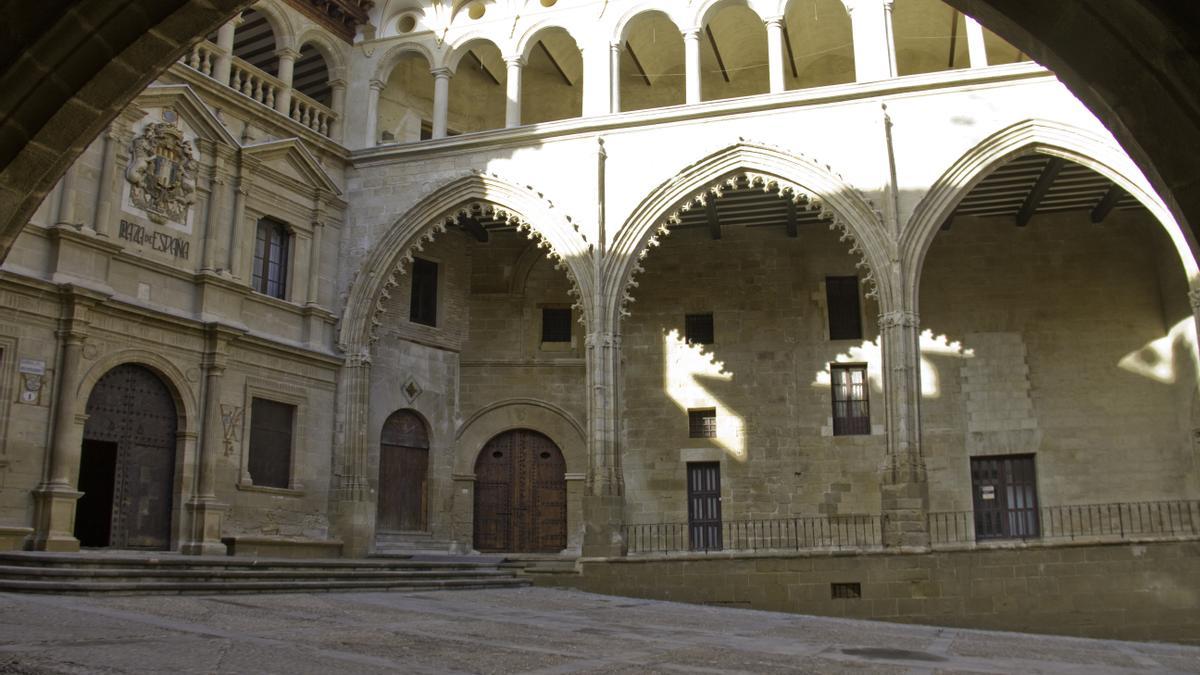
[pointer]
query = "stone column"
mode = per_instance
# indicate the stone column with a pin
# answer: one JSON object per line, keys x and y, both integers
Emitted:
{"x": 871, "y": 26}
{"x": 691, "y": 61}
{"x": 512, "y": 107}
{"x": 106, "y": 191}
{"x": 337, "y": 94}
{"x": 355, "y": 506}
{"x": 237, "y": 236}
{"x": 376, "y": 86}
{"x": 314, "y": 264}
{"x": 54, "y": 522}
{"x": 614, "y": 56}
{"x": 212, "y": 221}
{"x": 775, "y": 54}
{"x": 205, "y": 511}
{"x": 224, "y": 64}
{"x": 66, "y": 199}
{"x": 603, "y": 504}
{"x": 441, "y": 101}
{"x": 287, "y": 66}
{"x": 905, "y": 492}
{"x": 976, "y": 47}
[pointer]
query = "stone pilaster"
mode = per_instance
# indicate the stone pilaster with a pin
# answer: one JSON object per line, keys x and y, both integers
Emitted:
{"x": 905, "y": 491}
{"x": 355, "y": 508}
{"x": 54, "y": 519}
{"x": 603, "y": 503}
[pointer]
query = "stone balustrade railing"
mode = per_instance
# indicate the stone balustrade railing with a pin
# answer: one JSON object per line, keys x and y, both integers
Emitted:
{"x": 260, "y": 86}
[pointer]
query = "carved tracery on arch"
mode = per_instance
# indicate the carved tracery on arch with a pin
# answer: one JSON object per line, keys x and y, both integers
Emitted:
{"x": 479, "y": 210}
{"x": 804, "y": 199}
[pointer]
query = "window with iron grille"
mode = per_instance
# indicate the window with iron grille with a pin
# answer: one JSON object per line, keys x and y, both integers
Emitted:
{"x": 1005, "y": 497}
{"x": 271, "y": 258}
{"x": 270, "y": 460}
{"x": 845, "y": 591}
{"x": 556, "y": 324}
{"x": 702, "y": 423}
{"x": 423, "y": 306}
{"x": 848, "y": 386}
{"x": 698, "y": 328}
{"x": 845, "y": 314}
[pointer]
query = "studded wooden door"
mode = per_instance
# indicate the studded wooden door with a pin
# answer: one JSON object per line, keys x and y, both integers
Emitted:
{"x": 133, "y": 409}
{"x": 520, "y": 494}
{"x": 403, "y": 474}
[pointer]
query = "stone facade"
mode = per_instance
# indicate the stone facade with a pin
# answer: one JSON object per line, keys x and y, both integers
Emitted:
{"x": 1066, "y": 340}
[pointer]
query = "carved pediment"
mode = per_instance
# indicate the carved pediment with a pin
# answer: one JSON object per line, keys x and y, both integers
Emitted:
{"x": 190, "y": 110}
{"x": 290, "y": 159}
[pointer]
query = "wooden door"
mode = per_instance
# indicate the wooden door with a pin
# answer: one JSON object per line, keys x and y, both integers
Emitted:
{"x": 704, "y": 505}
{"x": 403, "y": 474}
{"x": 520, "y": 494}
{"x": 133, "y": 409}
{"x": 1005, "y": 497}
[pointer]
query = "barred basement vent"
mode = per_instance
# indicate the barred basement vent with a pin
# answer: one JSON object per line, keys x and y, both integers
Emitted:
{"x": 845, "y": 591}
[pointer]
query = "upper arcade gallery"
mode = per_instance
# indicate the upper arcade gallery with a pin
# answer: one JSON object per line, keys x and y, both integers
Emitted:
{"x": 376, "y": 280}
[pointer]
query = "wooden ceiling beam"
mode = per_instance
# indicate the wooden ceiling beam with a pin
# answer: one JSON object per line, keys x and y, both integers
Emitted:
{"x": 793, "y": 225}
{"x": 1039, "y": 190}
{"x": 1107, "y": 203}
{"x": 720, "y": 61}
{"x": 637, "y": 63}
{"x": 554, "y": 62}
{"x": 787, "y": 42}
{"x": 473, "y": 227}
{"x": 483, "y": 67}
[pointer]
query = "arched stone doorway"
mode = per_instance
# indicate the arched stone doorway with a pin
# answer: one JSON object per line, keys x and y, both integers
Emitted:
{"x": 403, "y": 504}
{"x": 520, "y": 494}
{"x": 127, "y": 463}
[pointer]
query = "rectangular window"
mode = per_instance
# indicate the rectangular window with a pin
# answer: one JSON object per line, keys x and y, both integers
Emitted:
{"x": 702, "y": 423}
{"x": 423, "y": 308}
{"x": 270, "y": 461}
{"x": 1005, "y": 497}
{"x": 556, "y": 324}
{"x": 271, "y": 258}
{"x": 845, "y": 314}
{"x": 848, "y": 387}
{"x": 698, "y": 328}
{"x": 704, "y": 506}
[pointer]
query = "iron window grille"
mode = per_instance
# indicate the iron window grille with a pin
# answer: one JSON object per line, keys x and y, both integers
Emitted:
{"x": 556, "y": 324}
{"x": 851, "y": 409}
{"x": 698, "y": 328}
{"x": 270, "y": 460}
{"x": 702, "y": 423}
{"x": 1005, "y": 497}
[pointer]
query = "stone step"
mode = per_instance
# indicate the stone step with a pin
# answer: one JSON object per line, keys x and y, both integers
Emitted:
{"x": 140, "y": 586}
{"x": 20, "y": 572}
{"x": 169, "y": 560}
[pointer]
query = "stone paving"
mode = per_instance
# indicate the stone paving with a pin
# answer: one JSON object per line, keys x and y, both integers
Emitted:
{"x": 531, "y": 630}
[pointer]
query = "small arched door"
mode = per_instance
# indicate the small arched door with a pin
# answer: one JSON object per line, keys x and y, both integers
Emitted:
{"x": 403, "y": 504}
{"x": 521, "y": 494}
{"x": 127, "y": 462}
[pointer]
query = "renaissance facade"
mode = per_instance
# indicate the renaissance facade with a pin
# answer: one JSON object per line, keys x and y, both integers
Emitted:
{"x": 610, "y": 279}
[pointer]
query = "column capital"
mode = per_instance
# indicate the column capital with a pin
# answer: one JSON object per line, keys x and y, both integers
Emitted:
{"x": 287, "y": 53}
{"x": 1194, "y": 298}
{"x": 337, "y": 84}
{"x": 690, "y": 33}
{"x": 377, "y": 85}
{"x": 442, "y": 73}
{"x": 898, "y": 318}
{"x": 774, "y": 21}
{"x": 517, "y": 60}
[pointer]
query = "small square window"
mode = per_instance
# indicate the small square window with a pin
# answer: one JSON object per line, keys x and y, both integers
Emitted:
{"x": 270, "y": 460}
{"x": 702, "y": 423}
{"x": 556, "y": 324}
{"x": 848, "y": 388}
{"x": 698, "y": 328}
{"x": 845, "y": 313}
{"x": 423, "y": 307}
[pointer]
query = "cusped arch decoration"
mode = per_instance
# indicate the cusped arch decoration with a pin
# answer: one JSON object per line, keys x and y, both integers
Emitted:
{"x": 168, "y": 372}
{"x": 810, "y": 184}
{"x": 1024, "y": 138}
{"x": 476, "y": 193}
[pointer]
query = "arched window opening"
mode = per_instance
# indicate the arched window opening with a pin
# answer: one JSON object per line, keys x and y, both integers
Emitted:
{"x": 311, "y": 76}
{"x": 477, "y": 90}
{"x": 255, "y": 42}
{"x": 552, "y": 79}
{"x": 652, "y": 64}
{"x": 272, "y": 250}
{"x": 818, "y": 44}
{"x": 406, "y": 102}
{"x": 733, "y": 55}
{"x": 930, "y": 36}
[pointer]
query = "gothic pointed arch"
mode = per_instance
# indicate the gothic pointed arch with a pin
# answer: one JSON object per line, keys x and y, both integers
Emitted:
{"x": 529, "y": 211}
{"x": 811, "y": 184}
{"x": 1024, "y": 138}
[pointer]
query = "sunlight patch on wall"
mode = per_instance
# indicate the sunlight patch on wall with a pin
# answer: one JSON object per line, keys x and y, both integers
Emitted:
{"x": 869, "y": 353}
{"x": 1156, "y": 360}
{"x": 687, "y": 368}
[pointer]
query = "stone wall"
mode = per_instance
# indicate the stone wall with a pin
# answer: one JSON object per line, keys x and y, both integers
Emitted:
{"x": 1147, "y": 591}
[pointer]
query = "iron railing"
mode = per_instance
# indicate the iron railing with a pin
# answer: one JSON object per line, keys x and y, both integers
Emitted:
{"x": 825, "y": 532}
{"x": 1114, "y": 521}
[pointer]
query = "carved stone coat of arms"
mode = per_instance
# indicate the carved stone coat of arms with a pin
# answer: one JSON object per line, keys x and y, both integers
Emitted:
{"x": 162, "y": 172}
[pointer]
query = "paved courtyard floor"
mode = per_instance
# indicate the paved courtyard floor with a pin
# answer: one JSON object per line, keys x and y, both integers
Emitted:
{"x": 529, "y": 630}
